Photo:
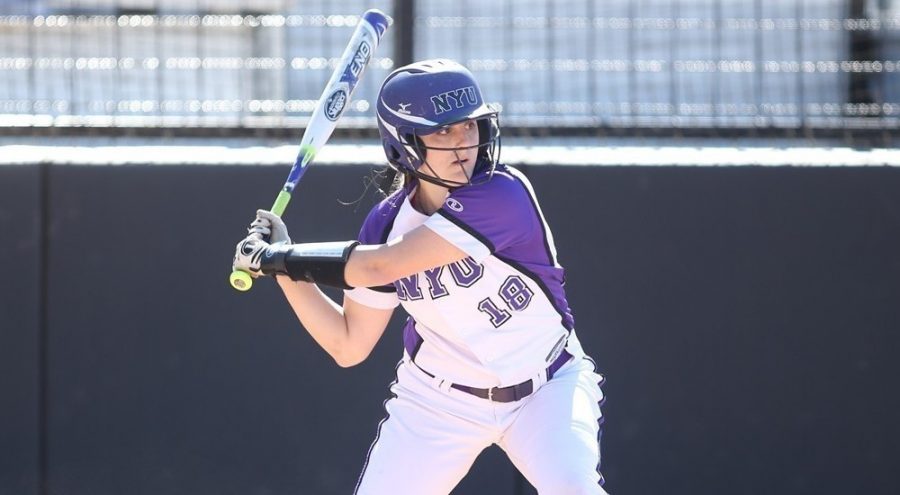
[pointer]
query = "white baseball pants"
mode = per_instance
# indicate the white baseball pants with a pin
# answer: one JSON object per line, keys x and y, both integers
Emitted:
{"x": 432, "y": 435}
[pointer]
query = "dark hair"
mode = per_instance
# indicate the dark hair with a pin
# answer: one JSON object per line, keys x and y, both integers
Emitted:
{"x": 389, "y": 180}
{"x": 385, "y": 180}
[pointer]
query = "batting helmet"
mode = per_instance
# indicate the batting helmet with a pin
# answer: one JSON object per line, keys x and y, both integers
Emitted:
{"x": 424, "y": 97}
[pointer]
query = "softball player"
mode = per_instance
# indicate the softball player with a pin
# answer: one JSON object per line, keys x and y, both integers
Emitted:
{"x": 490, "y": 351}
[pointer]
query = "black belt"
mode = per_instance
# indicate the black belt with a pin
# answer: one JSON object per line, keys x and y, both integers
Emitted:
{"x": 412, "y": 341}
{"x": 511, "y": 393}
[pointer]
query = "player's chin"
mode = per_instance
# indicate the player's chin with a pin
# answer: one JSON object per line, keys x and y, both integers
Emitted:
{"x": 461, "y": 171}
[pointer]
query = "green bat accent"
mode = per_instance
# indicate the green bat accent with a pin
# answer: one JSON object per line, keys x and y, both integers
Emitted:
{"x": 308, "y": 153}
{"x": 281, "y": 203}
{"x": 284, "y": 197}
{"x": 240, "y": 280}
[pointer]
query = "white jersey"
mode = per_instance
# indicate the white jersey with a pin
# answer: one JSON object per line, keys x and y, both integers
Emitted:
{"x": 497, "y": 318}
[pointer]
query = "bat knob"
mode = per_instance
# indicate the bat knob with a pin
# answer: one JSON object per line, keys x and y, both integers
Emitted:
{"x": 241, "y": 280}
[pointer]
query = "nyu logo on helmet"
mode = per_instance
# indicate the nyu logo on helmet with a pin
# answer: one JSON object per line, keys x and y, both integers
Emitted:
{"x": 334, "y": 105}
{"x": 456, "y": 98}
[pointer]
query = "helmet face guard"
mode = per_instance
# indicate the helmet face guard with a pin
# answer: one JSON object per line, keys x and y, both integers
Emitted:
{"x": 425, "y": 97}
{"x": 488, "y": 153}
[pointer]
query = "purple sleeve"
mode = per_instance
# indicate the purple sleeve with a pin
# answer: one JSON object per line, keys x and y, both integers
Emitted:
{"x": 378, "y": 223}
{"x": 487, "y": 218}
{"x": 377, "y": 226}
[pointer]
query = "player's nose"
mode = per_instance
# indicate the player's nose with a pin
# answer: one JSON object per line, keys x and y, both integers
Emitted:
{"x": 463, "y": 136}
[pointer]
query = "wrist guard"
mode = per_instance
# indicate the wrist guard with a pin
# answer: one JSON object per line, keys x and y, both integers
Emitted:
{"x": 318, "y": 263}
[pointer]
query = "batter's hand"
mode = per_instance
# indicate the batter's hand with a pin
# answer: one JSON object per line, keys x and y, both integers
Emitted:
{"x": 270, "y": 227}
{"x": 248, "y": 253}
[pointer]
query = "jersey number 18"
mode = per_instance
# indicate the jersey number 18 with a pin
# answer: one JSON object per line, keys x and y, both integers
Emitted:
{"x": 515, "y": 293}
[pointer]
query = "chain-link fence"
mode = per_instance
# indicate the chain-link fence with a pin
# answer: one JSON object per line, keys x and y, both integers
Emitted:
{"x": 708, "y": 67}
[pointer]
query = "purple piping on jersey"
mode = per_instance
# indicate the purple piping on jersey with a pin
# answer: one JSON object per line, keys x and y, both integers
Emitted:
{"x": 385, "y": 232}
{"x": 387, "y": 416}
{"x": 472, "y": 232}
{"x": 537, "y": 212}
{"x": 388, "y": 226}
{"x": 377, "y": 225}
{"x": 412, "y": 341}
{"x": 556, "y": 297}
{"x": 600, "y": 421}
{"x": 601, "y": 481}
{"x": 556, "y": 365}
{"x": 559, "y": 302}
{"x": 374, "y": 232}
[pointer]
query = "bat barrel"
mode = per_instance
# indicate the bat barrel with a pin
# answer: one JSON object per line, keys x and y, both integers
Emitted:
{"x": 378, "y": 20}
{"x": 336, "y": 96}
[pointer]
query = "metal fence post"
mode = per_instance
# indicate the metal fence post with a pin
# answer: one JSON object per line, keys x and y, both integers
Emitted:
{"x": 404, "y": 29}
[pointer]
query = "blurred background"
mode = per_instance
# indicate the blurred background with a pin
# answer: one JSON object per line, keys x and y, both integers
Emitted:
{"x": 811, "y": 68}
{"x": 721, "y": 177}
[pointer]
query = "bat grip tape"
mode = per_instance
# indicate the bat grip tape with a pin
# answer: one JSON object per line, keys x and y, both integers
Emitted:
{"x": 318, "y": 263}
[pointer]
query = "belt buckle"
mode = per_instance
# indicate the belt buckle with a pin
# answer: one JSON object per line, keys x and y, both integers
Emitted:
{"x": 491, "y": 394}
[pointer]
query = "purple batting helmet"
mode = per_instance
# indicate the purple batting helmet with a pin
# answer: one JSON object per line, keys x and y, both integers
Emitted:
{"x": 420, "y": 99}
